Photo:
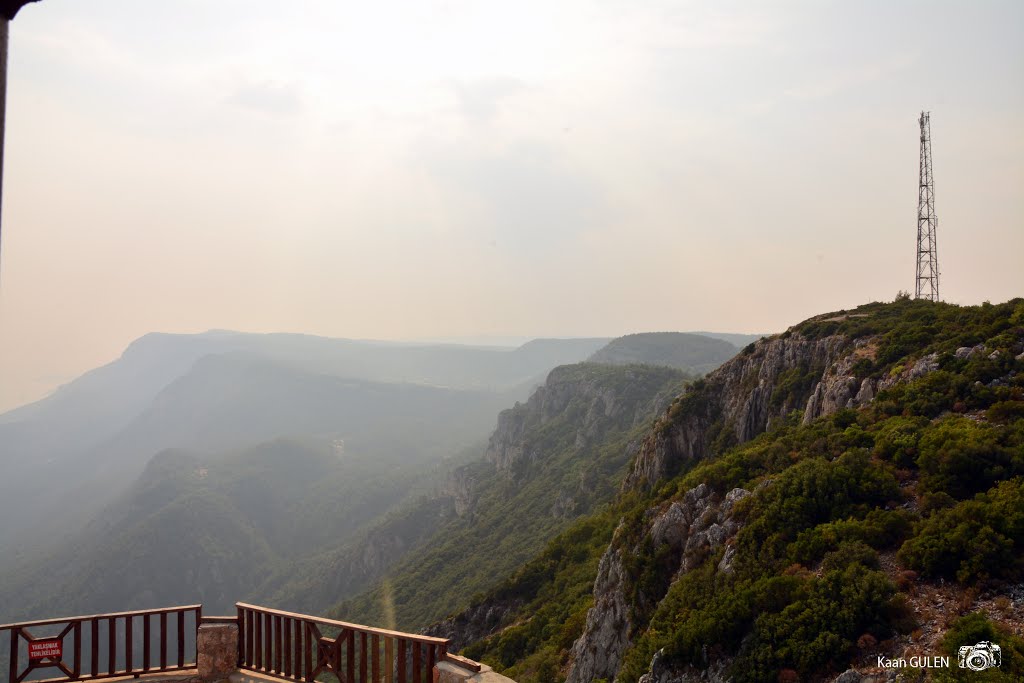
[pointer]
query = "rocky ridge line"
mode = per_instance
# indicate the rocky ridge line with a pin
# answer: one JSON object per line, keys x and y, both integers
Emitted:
{"x": 744, "y": 395}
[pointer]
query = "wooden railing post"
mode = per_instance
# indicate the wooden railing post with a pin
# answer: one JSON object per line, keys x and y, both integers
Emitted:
{"x": 77, "y": 667}
{"x": 128, "y": 645}
{"x": 94, "y": 647}
{"x": 240, "y": 659}
{"x": 15, "y": 631}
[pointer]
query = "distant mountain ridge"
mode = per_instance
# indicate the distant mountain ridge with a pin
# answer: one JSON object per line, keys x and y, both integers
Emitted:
{"x": 99, "y": 430}
{"x": 691, "y": 352}
{"x": 736, "y": 339}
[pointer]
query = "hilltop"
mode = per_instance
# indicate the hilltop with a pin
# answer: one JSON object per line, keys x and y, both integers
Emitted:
{"x": 853, "y": 487}
{"x": 691, "y": 352}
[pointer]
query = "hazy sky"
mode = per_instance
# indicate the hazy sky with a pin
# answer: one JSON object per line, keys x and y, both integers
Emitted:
{"x": 439, "y": 169}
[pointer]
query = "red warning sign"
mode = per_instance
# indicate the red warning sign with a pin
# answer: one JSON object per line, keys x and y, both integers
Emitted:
{"x": 43, "y": 649}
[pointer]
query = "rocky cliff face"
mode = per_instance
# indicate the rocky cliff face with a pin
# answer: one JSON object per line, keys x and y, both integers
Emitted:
{"x": 475, "y": 623}
{"x": 461, "y": 486}
{"x": 839, "y": 386}
{"x": 738, "y": 401}
{"x": 596, "y": 402}
{"x": 554, "y": 449}
{"x": 693, "y": 527}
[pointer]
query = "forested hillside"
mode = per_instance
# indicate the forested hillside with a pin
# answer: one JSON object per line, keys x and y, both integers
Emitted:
{"x": 552, "y": 459}
{"x": 851, "y": 488}
{"x": 210, "y": 529}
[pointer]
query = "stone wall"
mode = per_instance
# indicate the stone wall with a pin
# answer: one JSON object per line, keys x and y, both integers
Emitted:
{"x": 217, "y": 649}
{"x": 455, "y": 669}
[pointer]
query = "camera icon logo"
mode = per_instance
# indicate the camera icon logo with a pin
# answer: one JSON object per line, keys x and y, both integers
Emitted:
{"x": 982, "y": 656}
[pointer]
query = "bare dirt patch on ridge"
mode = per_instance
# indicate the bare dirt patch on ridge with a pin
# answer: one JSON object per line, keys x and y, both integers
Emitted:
{"x": 935, "y": 606}
{"x": 844, "y": 316}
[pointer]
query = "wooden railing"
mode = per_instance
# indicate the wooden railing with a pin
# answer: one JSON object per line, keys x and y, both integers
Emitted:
{"x": 294, "y": 646}
{"x": 104, "y": 645}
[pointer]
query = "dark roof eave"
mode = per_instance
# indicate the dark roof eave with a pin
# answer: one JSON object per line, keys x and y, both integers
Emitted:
{"x": 8, "y": 8}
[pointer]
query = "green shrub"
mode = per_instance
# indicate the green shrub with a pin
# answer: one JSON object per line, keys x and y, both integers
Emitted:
{"x": 975, "y": 628}
{"x": 794, "y": 385}
{"x": 897, "y": 440}
{"x": 850, "y": 552}
{"x": 975, "y": 539}
{"x": 962, "y": 457}
{"x": 809, "y": 493}
{"x": 819, "y": 627}
{"x": 879, "y": 529}
{"x": 1005, "y": 411}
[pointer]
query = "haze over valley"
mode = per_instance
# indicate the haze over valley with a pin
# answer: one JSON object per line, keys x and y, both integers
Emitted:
{"x": 211, "y": 460}
{"x": 579, "y": 342}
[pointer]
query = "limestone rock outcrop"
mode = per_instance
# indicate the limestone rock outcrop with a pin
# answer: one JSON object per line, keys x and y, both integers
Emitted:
{"x": 741, "y": 396}
{"x": 767, "y": 381}
{"x": 693, "y": 527}
{"x": 662, "y": 672}
{"x": 461, "y": 486}
{"x": 602, "y": 404}
{"x": 475, "y": 623}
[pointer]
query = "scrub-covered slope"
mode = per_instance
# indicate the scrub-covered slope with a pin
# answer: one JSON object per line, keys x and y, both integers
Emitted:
{"x": 850, "y": 489}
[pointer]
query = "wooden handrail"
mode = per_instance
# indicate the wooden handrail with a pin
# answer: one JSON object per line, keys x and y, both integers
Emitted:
{"x": 464, "y": 662}
{"x": 346, "y": 625}
{"x": 107, "y": 615}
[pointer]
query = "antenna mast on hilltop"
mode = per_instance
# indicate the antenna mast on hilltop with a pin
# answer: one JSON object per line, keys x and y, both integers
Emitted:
{"x": 927, "y": 283}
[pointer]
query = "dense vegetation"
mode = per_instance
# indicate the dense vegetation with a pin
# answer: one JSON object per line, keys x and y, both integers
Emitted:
{"x": 557, "y": 585}
{"x": 974, "y": 628}
{"x": 930, "y": 475}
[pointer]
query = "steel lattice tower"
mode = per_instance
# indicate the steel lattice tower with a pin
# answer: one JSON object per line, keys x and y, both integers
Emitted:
{"x": 927, "y": 283}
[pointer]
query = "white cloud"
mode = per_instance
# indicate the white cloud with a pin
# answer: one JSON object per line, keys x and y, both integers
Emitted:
{"x": 278, "y": 99}
{"x": 481, "y": 100}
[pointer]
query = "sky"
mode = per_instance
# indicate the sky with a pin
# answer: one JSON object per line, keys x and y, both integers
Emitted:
{"x": 412, "y": 170}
